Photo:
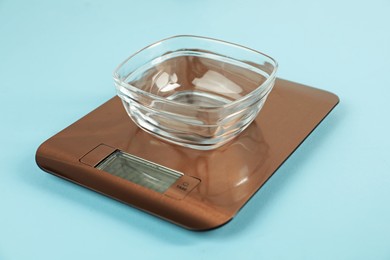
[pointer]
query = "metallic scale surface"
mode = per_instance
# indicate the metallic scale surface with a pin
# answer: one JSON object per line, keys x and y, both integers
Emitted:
{"x": 219, "y": 181}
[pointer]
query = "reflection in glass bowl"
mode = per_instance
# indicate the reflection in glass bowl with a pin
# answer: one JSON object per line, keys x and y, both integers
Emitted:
{"x": 195, "y": 92}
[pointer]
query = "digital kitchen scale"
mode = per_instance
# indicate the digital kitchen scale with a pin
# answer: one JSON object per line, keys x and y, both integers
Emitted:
{"x": 199, "y": 190}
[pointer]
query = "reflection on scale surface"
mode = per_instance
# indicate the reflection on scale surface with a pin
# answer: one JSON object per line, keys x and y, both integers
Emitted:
{"x": 228, "y": 174}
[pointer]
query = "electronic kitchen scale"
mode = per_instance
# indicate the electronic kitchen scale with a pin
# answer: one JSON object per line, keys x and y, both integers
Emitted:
{"x": 199, "y": 190}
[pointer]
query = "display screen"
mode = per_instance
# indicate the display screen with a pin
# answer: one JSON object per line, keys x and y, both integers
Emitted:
{"x": 139, "y": 171}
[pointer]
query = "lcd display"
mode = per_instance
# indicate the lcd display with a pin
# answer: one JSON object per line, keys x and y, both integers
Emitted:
{"x": 139, "y": 171}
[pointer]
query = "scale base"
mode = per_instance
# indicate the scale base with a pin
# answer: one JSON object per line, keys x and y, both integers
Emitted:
{"x": 223, "y": 179}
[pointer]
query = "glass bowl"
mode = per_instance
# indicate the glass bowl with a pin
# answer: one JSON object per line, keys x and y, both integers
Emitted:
{"x": 194, "y": 91}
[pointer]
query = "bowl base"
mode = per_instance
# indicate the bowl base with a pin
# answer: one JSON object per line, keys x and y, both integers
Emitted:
{"x": 199, "y": 98}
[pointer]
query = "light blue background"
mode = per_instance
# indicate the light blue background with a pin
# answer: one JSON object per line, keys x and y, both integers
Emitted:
{"x": 330, "y": 200}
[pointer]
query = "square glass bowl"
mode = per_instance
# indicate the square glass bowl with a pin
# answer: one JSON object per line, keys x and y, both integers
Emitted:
{"x": 194, "y": 91}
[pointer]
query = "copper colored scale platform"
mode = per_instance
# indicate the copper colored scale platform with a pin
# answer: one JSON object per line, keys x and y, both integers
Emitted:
{"x": 215, "y": 184}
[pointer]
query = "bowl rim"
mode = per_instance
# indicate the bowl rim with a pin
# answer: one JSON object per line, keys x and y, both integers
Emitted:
{"x": 176, "y": 103}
